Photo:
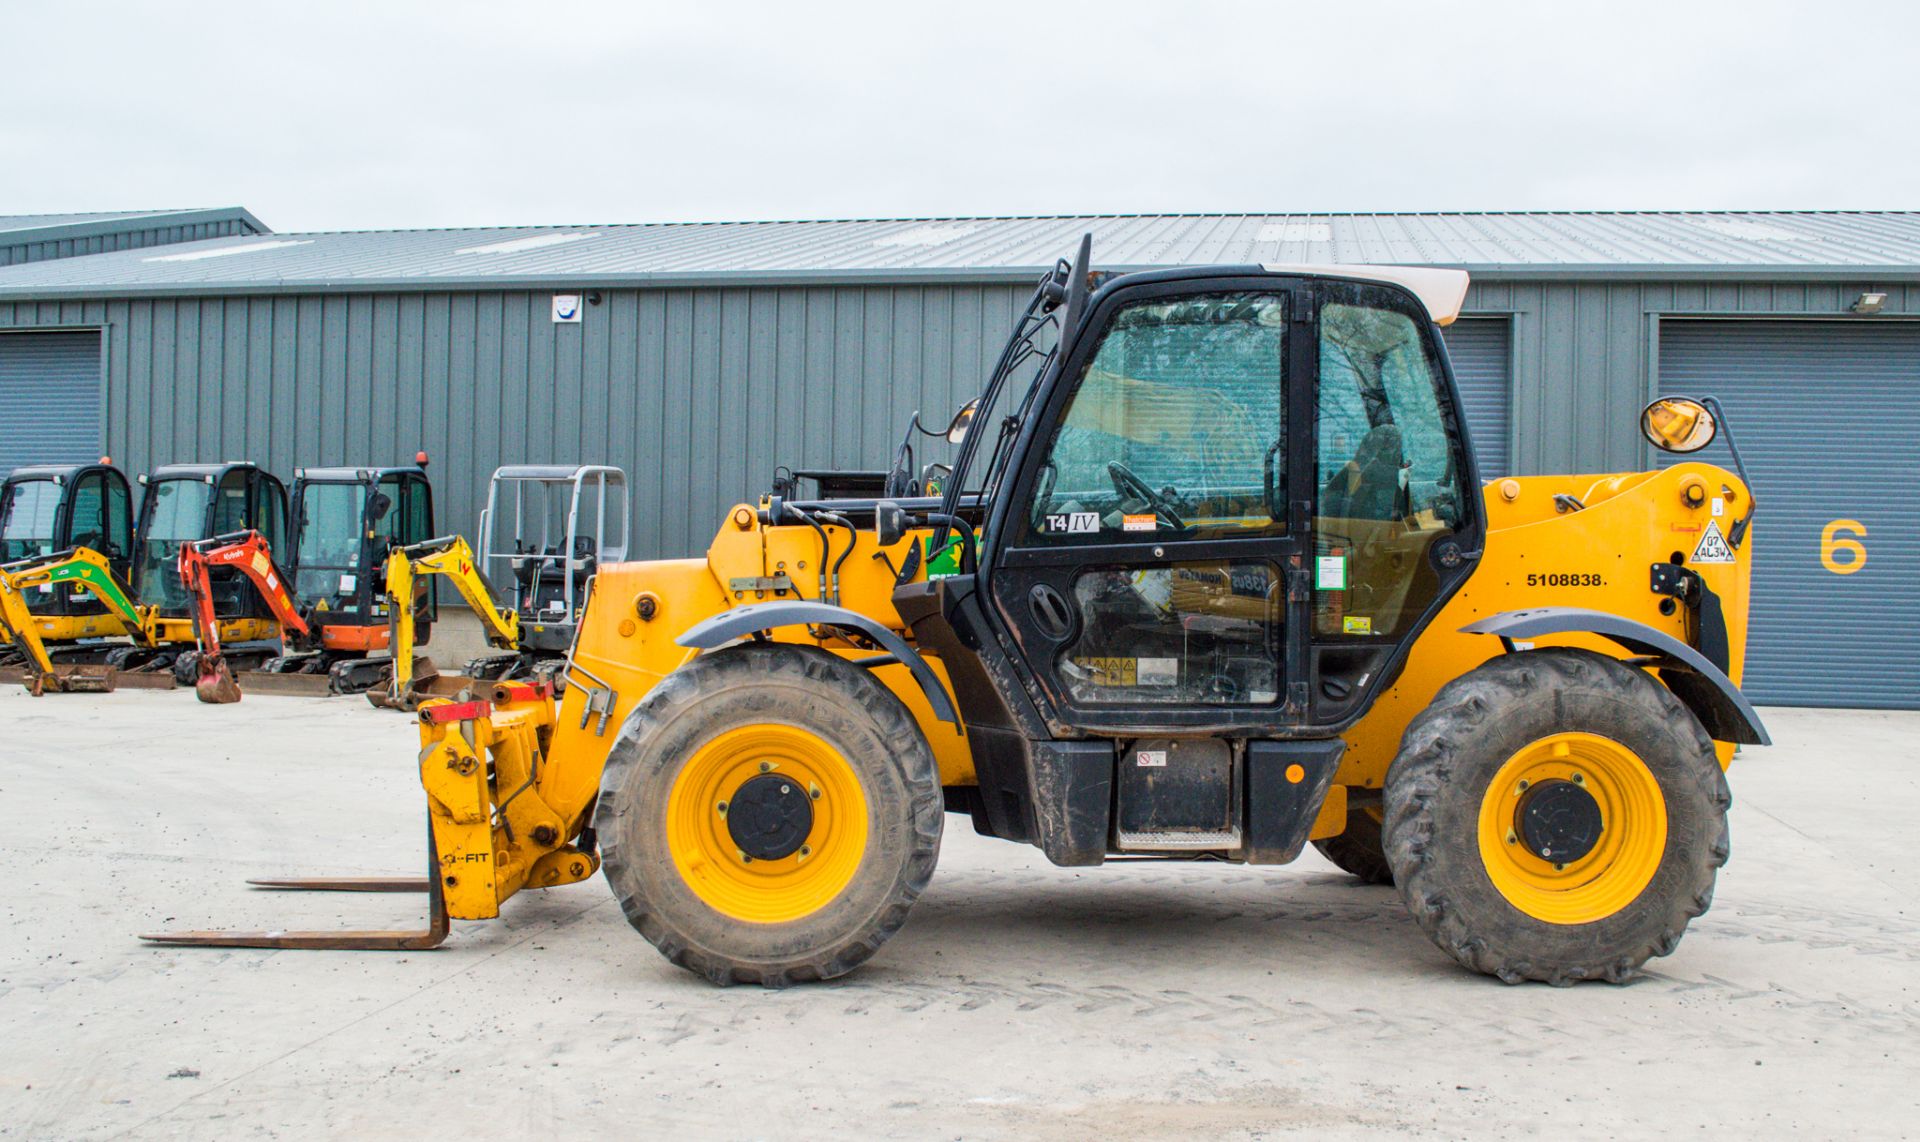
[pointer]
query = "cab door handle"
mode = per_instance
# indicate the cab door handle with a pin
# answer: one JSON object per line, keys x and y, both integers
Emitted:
{"x": 1050, "y": 611}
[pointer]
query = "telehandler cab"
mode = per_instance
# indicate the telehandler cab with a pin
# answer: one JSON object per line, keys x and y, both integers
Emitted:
{"x": 1212, "y": 576}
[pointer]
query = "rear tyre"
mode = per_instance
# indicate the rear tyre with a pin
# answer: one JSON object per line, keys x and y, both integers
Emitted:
{"x": 1359, "y": 850}
{"x": 1556, "y": 815}
{"x": 769, "y": 814}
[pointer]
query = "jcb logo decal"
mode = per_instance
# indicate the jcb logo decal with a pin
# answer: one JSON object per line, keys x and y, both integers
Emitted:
{"x": 1839, "y": 537}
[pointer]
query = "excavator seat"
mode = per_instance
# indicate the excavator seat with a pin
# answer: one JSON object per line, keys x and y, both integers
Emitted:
{"x": 544, "y": 582}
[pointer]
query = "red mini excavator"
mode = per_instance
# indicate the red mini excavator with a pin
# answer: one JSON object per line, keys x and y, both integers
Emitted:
{"x": 247, "y": 552}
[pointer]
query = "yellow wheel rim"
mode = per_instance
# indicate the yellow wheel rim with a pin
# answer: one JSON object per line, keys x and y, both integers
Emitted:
{"x": 755, "y": 890}
{"x": 1633, "y": 833}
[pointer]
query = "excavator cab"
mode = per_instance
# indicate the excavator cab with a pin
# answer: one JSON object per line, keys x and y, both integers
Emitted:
{"x": 345, "y": 522}
{"x": 189, "y": 503}
{"x": 57, "y": 507}
{"x": 546, "y": 529}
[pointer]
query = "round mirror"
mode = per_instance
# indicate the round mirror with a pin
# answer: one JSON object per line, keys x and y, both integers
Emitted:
{"x": 962, "y": 420}
{"x": 379, "y": 506}
{"x": 1678, "y": 424}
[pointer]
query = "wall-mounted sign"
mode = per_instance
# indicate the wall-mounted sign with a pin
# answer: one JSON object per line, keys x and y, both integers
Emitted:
{"x": 566, "y": 308}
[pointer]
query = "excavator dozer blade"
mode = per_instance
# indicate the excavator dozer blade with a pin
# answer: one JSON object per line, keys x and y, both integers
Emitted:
{"x": 84, "y": 679}
{"x": 284, "y": 685}
{"x": 132, "y": 680}
{"x": 362, "y": 939}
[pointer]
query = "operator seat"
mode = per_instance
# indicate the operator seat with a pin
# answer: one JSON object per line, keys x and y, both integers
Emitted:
{"x": 1368, "y": 486}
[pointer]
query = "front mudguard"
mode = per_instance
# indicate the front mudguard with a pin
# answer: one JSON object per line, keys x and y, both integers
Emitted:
{"x": 1703, "y": 687}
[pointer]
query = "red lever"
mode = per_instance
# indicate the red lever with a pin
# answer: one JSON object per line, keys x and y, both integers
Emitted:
{"x": 456, "y": 712}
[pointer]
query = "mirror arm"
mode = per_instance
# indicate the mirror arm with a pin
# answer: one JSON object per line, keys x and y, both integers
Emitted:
{"x": 1738, "y": 531}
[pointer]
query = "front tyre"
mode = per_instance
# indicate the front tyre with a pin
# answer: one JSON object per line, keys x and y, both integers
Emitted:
{"x": 769, "y": 813}
{"x": 1556, "y": 815}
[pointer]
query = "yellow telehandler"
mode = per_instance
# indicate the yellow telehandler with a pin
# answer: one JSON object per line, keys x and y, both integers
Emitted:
{"x": 1211, "y": 576}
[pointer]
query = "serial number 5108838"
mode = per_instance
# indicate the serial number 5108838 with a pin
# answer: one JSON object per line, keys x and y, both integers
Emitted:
{"x": 1565, "y": 579}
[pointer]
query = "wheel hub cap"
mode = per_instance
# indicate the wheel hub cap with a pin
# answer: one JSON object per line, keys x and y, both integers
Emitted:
{"x": 769, "y": 816}
{"x": 1559, "y": 821}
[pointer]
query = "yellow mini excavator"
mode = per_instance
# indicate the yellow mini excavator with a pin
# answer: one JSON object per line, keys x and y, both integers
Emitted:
{"x": 48, "y": 514}
{"x": 408, "y": 574}
{"x": 79, "y": 574}
{"x": 1211, "y": 576}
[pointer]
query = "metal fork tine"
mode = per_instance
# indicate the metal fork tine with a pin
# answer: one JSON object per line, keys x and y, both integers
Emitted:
{"x": 370, "y": 939}
{"x": 345, "y": 883}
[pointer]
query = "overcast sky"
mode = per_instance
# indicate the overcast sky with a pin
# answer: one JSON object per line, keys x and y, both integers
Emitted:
{"x": 347, "y": 116}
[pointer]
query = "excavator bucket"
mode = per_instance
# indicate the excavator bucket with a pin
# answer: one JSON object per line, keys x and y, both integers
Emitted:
{"x": 216, "y": 684}
{"x": 362, "y": 939}
{"x": 426, "y": 683}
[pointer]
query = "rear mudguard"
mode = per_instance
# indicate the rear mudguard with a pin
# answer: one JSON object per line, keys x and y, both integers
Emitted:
{"x": 718, "y": 630}
{"x": 1697, "y": 682}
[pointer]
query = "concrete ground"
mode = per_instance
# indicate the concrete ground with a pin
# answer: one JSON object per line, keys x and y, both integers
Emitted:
{"x": 1021, "y": 1001}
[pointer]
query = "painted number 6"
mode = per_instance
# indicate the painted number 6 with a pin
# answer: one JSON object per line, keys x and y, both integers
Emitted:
{"x": 1838, "y": 537}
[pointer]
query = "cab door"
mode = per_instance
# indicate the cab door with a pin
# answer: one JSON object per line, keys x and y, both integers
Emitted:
{"x": 100, "y": 518}
{"x": 1149, "y": 561}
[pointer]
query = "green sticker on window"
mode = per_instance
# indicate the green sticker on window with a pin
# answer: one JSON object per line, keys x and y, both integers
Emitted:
{"x": 946, "y": 561}
{"x": 1330, "y": 572}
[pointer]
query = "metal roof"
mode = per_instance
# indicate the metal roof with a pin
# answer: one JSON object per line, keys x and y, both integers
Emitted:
{"x": 1881, "y": 245}
{"x": 50, "y": 227}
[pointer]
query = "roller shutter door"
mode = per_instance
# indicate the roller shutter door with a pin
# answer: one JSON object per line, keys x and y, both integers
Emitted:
{"x": 1827, "y": 415}
{"x": 1479, "y": 348}
{"x": 50, "y": 393}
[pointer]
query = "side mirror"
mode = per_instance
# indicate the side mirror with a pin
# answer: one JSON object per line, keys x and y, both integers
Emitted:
{"x": 379, "y": 506}
{"x": 889, "y": 523}
{"x": 1678, "y": 424}
{"x": 962, "y": 420}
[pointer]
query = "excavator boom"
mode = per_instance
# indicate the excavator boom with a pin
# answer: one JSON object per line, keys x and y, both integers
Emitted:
{"x": 248, "y": 553}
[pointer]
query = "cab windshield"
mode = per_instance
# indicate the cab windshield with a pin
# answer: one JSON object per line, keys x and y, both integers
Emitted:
{"x": 176, "y": 513}
{"x": 27, "y": 529}
{"x": 329, "y": 550}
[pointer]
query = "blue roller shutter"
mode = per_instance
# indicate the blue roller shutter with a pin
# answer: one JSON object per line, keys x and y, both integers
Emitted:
{"x": 1827, "y": 414}
{"x": 50, "y": 391}
{"x": 1479, "y": 350}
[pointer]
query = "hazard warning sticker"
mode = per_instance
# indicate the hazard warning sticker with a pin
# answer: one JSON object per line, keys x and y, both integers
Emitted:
{"x": 1712, "y": 547}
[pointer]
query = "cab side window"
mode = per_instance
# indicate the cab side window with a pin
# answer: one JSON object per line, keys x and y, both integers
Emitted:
{"x": 1175, "y": 427}
{"x": 1386, "y": 462}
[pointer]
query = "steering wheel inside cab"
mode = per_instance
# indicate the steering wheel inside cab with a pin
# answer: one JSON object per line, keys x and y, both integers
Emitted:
{"x": 1132, "y": 487}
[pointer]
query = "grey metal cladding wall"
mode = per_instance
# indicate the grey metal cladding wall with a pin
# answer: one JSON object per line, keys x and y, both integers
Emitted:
{"x": 1582, "y": 360}
{"x": 19, "y": 252}
{"x": 50, "y": 391}
{"x": 1478, "y": 348}
{"x": 1826, "y": 414}
{"x": 698, "y": 394}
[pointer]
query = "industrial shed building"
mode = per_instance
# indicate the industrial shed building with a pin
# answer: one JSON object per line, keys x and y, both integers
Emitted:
{"x": 700, "y": 356}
